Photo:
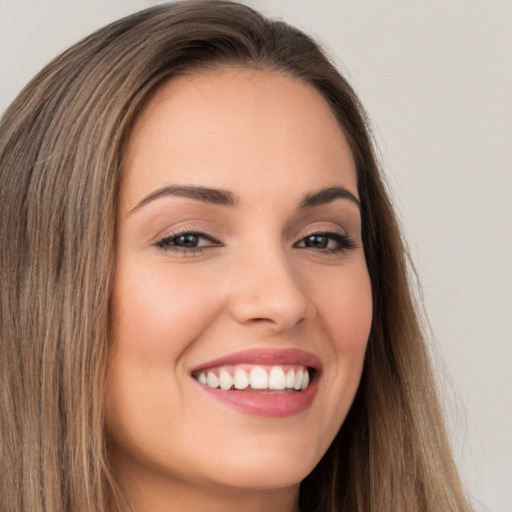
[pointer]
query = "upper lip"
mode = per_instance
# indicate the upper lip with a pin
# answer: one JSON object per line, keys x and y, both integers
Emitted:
{"x": 269, "y": 357}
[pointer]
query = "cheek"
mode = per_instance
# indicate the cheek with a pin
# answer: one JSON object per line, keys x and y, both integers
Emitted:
{"x": 155, "y": 319}
{"x": 155, "y": 312}
{"x": 345, "y": 310}
{"x": 345, "y": 307}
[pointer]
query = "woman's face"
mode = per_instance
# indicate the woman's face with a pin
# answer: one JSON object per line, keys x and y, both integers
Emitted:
{"x": 239, "y": 264}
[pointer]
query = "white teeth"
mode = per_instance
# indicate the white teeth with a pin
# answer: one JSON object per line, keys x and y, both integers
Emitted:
{"x": 305, "y": 380}
{"x": 277, "y": 378}
{"x": 225, "y": 380}
{"x": 258, "y": 378}
{"x": 212, "y": 380}
{"x": 290, "y": 379}
{"x": 298, "y": 379}
{"x": 241, "y": 379}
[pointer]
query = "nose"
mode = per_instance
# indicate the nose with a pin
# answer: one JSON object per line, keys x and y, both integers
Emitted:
{"x": 270, "y": 293}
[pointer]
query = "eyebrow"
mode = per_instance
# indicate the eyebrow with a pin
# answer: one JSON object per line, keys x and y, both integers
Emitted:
{"x": 226, "y": 198}
{"x": 327, "y": 195}
{"x": 207, "y": 195}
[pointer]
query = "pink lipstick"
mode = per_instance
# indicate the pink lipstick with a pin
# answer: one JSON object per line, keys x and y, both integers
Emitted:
{"x": 271, "y": 383}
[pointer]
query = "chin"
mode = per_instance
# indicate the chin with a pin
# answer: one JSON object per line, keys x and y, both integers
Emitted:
{"x": 265, "y": 467}
{"x": 262, "y": 478}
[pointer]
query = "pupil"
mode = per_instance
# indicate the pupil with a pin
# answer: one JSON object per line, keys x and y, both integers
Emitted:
{"x": 187, "y": 240}
{"x": 319, "y": 241}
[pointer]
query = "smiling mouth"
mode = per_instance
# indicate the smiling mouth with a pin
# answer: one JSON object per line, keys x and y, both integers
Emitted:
{"x": 269, "y": 383}
{"x": 275, "y": 379}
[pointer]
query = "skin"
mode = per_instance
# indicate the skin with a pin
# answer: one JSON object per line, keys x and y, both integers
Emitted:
{"x": 254, "y": 281}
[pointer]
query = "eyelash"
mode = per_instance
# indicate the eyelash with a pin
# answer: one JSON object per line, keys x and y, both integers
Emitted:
{"x": 343, "y": 242}
{"x": 169, "y": 242}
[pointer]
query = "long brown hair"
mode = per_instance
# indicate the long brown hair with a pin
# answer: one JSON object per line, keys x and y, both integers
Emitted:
{"x": 61, "y": 147}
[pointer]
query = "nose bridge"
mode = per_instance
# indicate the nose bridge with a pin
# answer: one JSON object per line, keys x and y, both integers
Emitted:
{"x": 269, "y": 289}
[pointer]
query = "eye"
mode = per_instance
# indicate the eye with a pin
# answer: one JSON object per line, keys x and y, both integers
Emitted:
{"x": 187, "y": 242}
{"x": 326, "y": 242}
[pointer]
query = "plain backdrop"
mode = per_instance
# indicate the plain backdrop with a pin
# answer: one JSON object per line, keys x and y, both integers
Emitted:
{"x": 436, "y": 78}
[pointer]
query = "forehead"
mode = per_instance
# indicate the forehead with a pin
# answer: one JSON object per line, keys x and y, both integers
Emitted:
{"x": 231, "y": 126}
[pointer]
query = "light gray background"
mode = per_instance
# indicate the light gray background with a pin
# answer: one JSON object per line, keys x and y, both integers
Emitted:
{"x": 436, "y": 78}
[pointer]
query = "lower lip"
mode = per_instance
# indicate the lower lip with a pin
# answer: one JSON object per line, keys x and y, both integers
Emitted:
{"x": 266, "y": 404}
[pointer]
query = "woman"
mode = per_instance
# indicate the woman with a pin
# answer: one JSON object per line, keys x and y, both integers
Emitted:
{"x": 205, "y": 299}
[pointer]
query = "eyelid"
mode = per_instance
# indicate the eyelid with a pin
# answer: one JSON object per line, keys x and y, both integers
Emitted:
{"x": 335, "y": 217}
{"x": 165, "y": 242}
{"x": 324, "y": 231}
{"x": 344, "y": 240}
{"x": 325, "y": 226}
{"x": 331, "y": 228}
{"x": 176, "y": 227}
{"x": 173, "y": 236}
